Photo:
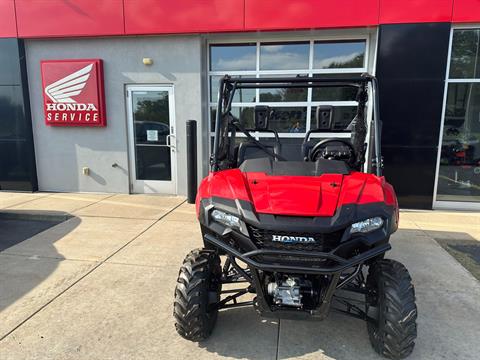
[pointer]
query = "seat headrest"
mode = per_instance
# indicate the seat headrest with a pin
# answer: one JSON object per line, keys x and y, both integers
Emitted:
{"x": 262, "y": 115}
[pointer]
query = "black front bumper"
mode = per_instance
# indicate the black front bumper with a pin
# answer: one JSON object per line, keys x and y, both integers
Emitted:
{"x": 332, "y": 270}
{"x": 333, "y": 262}
{"x": 334, "y": 267}
{"x": 336, "y": 264}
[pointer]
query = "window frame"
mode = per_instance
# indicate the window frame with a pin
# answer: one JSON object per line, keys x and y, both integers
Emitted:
{"x": 309, "y": 103}
{"x": 445, "y": 204}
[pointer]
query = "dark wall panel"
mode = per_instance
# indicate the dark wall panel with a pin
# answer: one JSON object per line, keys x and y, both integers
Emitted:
{"x": 17, "y": 157}
{"x": 413, "y": 179}
{"x": 411, "y": 111}
{"x": 10, "y": 73}
{"x": 411, "y": 65}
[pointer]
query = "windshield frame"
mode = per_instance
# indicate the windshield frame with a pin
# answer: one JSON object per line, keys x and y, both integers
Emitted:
{"x": 228, "y": 85}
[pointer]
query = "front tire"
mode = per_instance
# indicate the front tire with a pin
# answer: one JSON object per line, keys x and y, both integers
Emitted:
{"x": 196, "y": 294}
{"x": 391, "y": 302}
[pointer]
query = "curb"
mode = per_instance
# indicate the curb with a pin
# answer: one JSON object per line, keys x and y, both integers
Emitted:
{"x": 54, "y": 216}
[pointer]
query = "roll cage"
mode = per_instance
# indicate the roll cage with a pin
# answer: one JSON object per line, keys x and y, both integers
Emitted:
{"x": 226, "y": 126}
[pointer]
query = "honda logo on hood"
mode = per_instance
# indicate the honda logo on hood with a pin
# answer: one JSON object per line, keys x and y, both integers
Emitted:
{"x": 73, "y": 92}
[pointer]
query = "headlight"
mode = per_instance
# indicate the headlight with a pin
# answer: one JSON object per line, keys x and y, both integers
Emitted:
{"x": 366, "y": 226}
{"x": 229, "y": 220}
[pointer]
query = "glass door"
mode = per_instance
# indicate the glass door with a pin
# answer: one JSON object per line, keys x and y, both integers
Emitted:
{"x": 151, "y": 129}
{"x": 458, "y": 177}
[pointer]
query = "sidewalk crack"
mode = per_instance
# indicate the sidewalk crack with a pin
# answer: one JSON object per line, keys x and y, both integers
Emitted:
{"x": 93, "y": 203}
{"x": 27, "y": 201}
{"x": 278, "y": 339}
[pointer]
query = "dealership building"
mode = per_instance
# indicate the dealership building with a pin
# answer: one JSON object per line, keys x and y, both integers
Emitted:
{"x": 95, "y": 95}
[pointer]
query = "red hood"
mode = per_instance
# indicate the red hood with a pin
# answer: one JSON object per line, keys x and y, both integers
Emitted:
{"x": 296, "y": 195}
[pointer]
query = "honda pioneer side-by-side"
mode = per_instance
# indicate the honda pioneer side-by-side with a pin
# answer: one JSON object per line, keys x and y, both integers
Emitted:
{"x": 302, "y": 231}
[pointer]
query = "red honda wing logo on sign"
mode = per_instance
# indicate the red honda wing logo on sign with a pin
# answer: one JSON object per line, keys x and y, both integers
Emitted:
{"x": 73, "y": 92}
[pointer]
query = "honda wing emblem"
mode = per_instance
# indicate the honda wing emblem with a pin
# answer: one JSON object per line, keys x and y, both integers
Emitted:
{"x": 63, "y": 90}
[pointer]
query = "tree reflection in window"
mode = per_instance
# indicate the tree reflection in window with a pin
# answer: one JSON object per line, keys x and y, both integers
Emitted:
{"x": 465, "y": 58}
{"x": 340, "y": 54}
{"x": 151, "y": 113}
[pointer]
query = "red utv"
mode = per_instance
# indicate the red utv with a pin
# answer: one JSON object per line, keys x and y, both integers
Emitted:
{"x": 304, "y": 232}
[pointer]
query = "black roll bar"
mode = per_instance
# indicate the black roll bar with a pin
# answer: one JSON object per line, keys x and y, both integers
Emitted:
{"x": 218, "y": 119}
{"x": 228, "y": 85}
{"x": 299, "y": 79}
{"x": 376, "y": 127}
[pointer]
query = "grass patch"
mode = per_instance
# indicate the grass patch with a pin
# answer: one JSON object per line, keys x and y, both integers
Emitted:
{"x": 466, "y": 252}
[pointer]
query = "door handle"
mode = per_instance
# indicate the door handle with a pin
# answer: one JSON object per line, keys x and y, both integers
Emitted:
{"x": 169, "y": 142}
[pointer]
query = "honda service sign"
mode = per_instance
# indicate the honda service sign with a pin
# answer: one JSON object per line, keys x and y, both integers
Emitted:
{"x": 73, "y": 92}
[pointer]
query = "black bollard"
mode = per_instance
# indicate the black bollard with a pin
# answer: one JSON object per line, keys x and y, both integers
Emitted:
{"x": 191, "y": 161}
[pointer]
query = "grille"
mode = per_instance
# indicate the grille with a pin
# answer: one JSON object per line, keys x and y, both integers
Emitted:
{"x": 323, "y": 242}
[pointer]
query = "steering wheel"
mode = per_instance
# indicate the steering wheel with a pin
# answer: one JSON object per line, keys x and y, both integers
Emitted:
{"x": 318, "y": 151}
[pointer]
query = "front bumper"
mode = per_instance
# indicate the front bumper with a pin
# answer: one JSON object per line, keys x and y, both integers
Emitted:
{"x": 332, "y": 263}
{"x": 327, "y": 265}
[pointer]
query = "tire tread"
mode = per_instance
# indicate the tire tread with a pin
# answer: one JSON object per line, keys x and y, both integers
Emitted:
{"x": 397, "y": 330}
{"x": 193, "y": 321}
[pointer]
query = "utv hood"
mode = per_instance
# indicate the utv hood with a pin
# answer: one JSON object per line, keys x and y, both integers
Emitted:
{"x": 311, "y": 191}
{"x": 294, "y": 195}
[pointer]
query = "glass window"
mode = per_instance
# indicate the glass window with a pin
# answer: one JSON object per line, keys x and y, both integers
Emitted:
{"x": 283, "y": 94}
{"x": 333, "y": 55}
{"x": 241, "y": 95}
{"x": 151, "y": 126}
{"x": 342, "y": 117}
{"x": 465, "y": 58}
{"x": 11, "y": 113}
{"x": 245, "y": 114}
{"x": 334, "y": 94}
{"x": 459, "y": 168}
{"x": 292, "y": 108}
{"x": 283, "y": 119}
{"x": 459, "y": 171}
{"x": 284, "y": 56}
{"x": 238, "y": 57}
{"x": 151, "y": 115}
{"x": 340, "y": 93}
{"x": 288, "y": 119}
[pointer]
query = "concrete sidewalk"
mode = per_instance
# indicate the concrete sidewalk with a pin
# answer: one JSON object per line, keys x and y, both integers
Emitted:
{"x": 100, "y": 286}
